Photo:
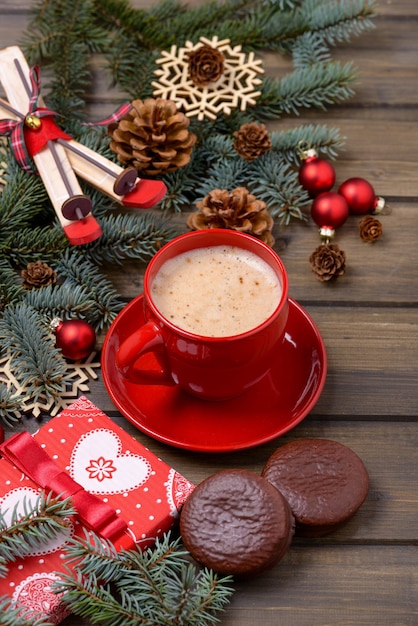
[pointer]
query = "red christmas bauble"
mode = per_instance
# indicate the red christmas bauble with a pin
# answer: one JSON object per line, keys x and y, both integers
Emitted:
{"x": 316, "y": 175}
{"x": 359, "y": 195}
{"x": 75, "y": 338}
{"x": 329, "y": 210}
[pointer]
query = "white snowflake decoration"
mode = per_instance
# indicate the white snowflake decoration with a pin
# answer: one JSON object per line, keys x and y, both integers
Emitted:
{"x": 78, "y": 373}
{"x": 235, "y": 88}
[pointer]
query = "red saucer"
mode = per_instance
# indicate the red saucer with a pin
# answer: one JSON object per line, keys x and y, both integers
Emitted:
{"x": 271, "y": 408}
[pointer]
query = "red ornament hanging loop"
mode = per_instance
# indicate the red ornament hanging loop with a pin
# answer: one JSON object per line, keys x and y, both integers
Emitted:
{"x": 75, "y": 338}
{"x": 316, "y": 175}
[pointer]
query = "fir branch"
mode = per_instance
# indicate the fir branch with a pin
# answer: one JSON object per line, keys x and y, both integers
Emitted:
{"x": 191, "y": 609}
{"x": 9, "y": 406}
{"x": 203, "y": 20}
{"x": 217, "y": 146}
{"x": 321, "y": 21}
{"x": 94, "y": 555}
{"x": 25, "y": 531}
{"x": 225, "y": 175}
{"x": 129, "y": 236}
{"x": 23, "y": 199}
{"x": 130, "y": 60}
{"x": 169, "y": 22}
{"x": 65, "y": 301}
{"x": 37, "y": 364}
{"x": 19, "y": 616}
{"x": 257, "y": 26}
{"x": 132, "y": 69}
{"x": 338, "y": 21}
{"x": 101, "y": 301}
{"x": 282, "y": 4}
{"x": 278, "y": 185}
{"x": 156, "y": 586}
{"x": 11, "y": 290}
{"x": 317, "y": 86}
{"x": 64, "y": 35}
{"x": 327, "y": 24}
{"x": 263, "y": 28}
{"x": 29, "y": 244}
{"x": 120, "y": 17}
{"x": 309, "y": 49}
{"x": 86, "y": 597}
{"x": 181, "y": 184}
{"x": 326, "y": 141}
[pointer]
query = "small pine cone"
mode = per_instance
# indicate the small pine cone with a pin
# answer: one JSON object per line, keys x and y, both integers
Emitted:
{"x": 238, "y": 210}
{"x": 154, "y": 137}
{"x": 251, "y": 141}
{"x": 370, "y": 229}
{"x": 206, "y": 65}
{"x": 328, "y": 261}
{"x": 38, "y": 274}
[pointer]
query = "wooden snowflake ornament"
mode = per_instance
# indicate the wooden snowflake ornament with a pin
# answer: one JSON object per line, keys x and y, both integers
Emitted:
{"x": 236, "y": 87}
{"x": 77, "y": 378}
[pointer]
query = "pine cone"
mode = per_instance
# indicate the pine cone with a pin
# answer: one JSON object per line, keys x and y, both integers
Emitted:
{"x": 251, "y": 141}
{"x": 238, "y": 210}
{"x": 328, "y": 261}
{"x": 206, "y": 65}
{"x": 153, "y": 137}
{"x": 370, "y": 229}
{"x": 38, "y": 274}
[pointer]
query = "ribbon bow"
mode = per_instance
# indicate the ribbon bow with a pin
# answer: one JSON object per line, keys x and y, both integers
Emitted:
{"x": 29, "y": 134}
{"x": 32, "y": 120}
{"x": 28, "y": 456}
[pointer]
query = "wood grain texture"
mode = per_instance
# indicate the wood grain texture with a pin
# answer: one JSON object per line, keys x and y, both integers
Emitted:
{"x": 366, "y": 573}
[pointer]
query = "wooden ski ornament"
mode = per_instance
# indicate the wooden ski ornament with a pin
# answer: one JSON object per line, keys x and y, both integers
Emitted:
{"x": 59, "y": 158}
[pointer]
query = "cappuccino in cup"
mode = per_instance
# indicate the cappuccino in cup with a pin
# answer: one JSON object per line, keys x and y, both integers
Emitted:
{"x": 216, "y": 291}
{"x": 215, "y": 308}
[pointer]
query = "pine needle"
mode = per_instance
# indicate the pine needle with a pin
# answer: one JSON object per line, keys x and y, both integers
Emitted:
{"x": 31, "y": 525}
{"x": 157, "y": 586}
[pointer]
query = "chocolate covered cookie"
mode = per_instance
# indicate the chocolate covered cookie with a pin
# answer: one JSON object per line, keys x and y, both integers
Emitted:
{"x": 236, "y": 522}
{"x": 323, "y": 481}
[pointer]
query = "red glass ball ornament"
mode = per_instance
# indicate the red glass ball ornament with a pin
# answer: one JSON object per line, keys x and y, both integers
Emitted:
{"x": 359, "y": 195}
{"x": 75, "y": 338}
{"x": 329, "y": 210}
{"x": 316, "y": 175}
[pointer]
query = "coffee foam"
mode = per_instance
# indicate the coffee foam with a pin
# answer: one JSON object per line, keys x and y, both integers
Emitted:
{"x": 217, "y": 291}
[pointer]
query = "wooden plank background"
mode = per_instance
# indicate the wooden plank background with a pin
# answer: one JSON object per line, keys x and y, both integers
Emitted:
{"x": 366, "y": 573}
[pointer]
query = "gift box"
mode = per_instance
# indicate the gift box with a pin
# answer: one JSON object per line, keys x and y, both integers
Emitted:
{"x": 119, "y": 488}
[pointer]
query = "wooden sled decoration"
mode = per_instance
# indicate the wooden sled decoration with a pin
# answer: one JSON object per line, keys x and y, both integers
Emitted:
{"x": 59, "y": 158}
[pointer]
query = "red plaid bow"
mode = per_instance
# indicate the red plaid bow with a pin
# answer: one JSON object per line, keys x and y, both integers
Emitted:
{"x": 16, "y": 128}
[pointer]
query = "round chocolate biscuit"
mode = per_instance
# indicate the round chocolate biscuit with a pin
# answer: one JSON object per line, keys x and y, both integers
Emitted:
{"x": 323, "y": 481}
{"x": 237, "y": 523}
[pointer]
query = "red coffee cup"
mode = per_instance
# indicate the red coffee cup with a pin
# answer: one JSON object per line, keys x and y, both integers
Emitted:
{"x": 209, "y": 367}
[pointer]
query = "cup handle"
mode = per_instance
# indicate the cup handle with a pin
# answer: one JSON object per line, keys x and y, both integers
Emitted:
{"x": 146, "y": 339}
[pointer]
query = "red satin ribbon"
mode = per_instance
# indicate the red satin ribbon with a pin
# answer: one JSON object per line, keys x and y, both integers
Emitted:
{"x": 28, "y": 456}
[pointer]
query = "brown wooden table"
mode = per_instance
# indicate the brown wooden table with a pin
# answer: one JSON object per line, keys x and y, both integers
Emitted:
{"x": 366, "y": 573}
